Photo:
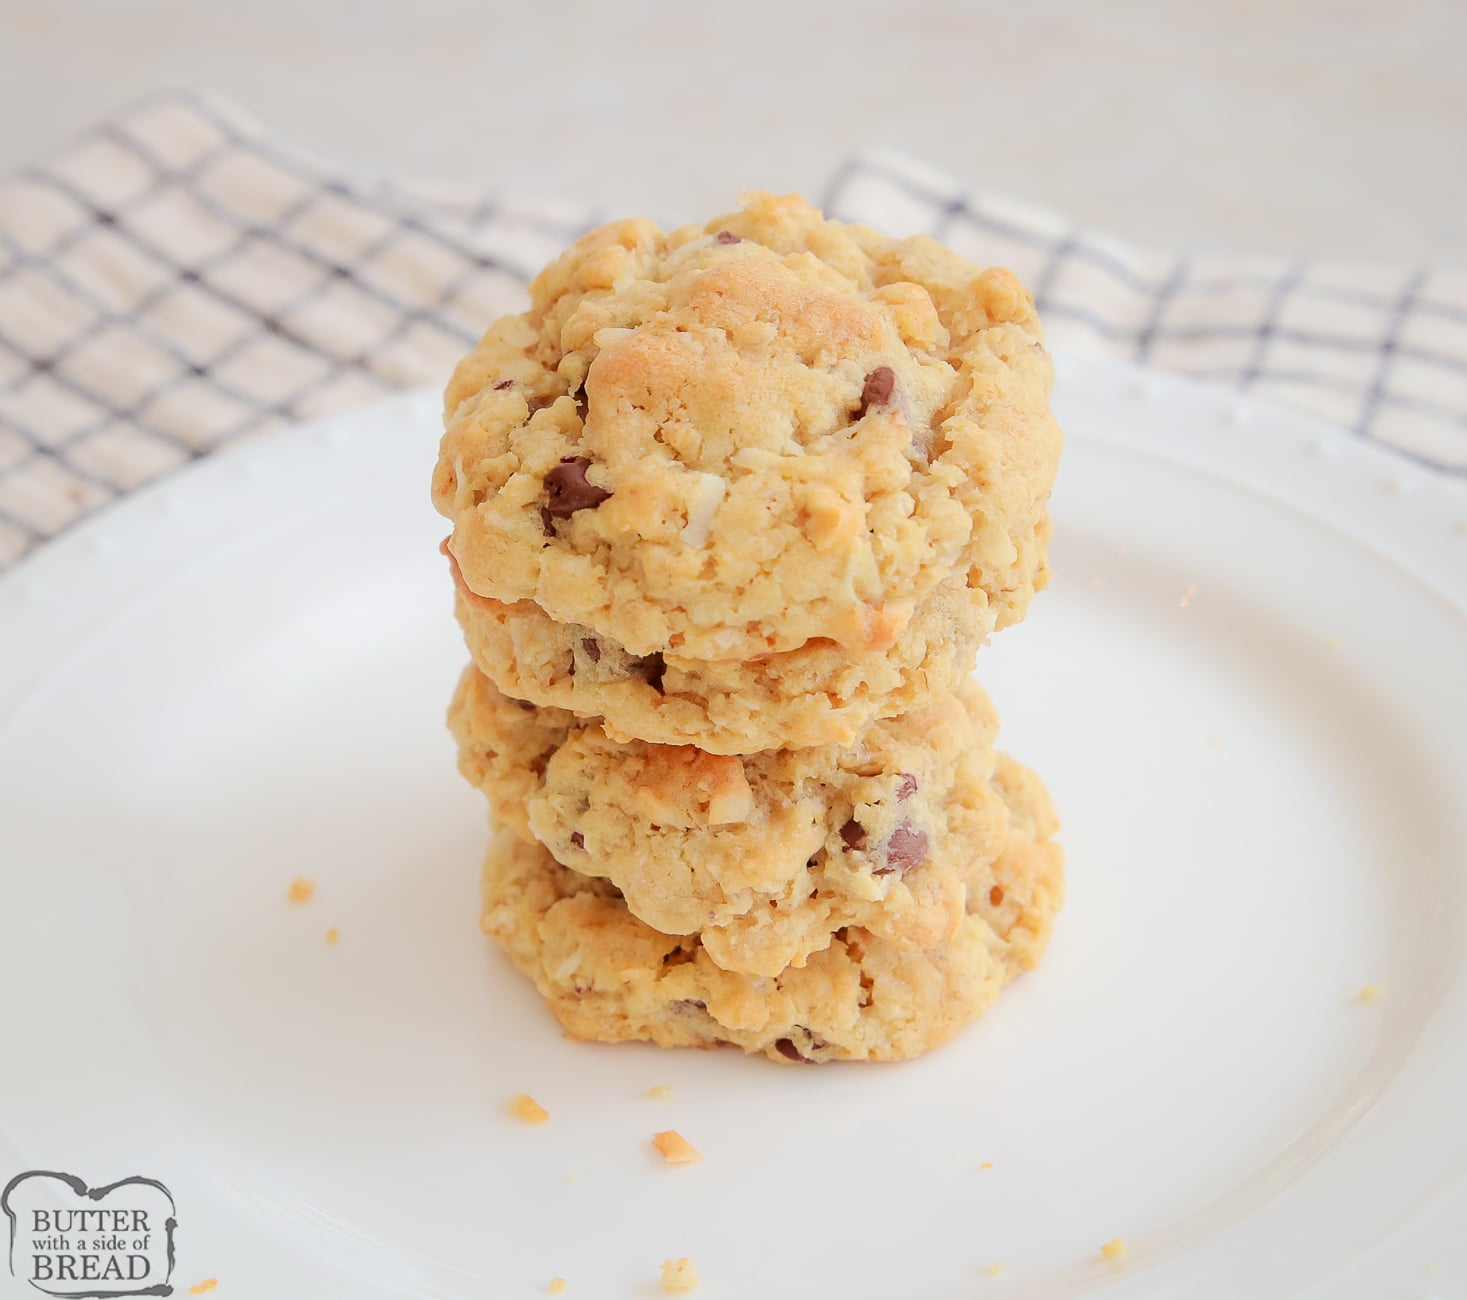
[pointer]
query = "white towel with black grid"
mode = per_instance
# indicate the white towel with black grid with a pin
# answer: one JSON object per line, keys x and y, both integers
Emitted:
{"x": 175, "y": 280}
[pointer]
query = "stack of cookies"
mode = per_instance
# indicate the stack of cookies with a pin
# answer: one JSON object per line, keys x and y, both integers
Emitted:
{"x": 733, "y": 509}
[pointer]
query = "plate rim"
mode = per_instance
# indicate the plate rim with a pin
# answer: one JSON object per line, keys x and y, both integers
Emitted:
{"x": 1413, "y": 509}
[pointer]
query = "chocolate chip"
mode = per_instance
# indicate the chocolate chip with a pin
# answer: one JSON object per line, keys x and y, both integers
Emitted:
{"x": 651, "y": 670}
{"x": 906, "y": 849}
{"x": 853, "y": 835}
{"x": 591, "y": 648}
{"x": 995, "y": 896}
{"x": 786, "y": 1048}
{"x": 525, "y": 705}
{"x": 727, "y": 237}
{"x": 908, "y": 786}
{"x": 878, "y": 388}
{"x": 578, "y": 839}
{"x": 567, "y": 489}
{"x": 547, "y": 522}
{"x": 503, "y": 384}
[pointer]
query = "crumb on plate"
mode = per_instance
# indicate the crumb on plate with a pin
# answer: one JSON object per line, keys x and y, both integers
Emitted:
{"x": 1371, "y": 993}
{"x": 679, "y": 1275}
{"x": 527, "y": 1108}
{"x": 675, "y": 1148}
{"x": 301, "y": 889}
{"x": 333, "y": 937}
{"x": 557, "y": 1286}
{"x": 1115, "y": 1248}
{"x": 660, "y": 1093}
{"x": 208, "y": 1284}
{"x": 987, "y": 1164}
{"x": 1187, "y": 599}
{"x": 993, "y": 1270}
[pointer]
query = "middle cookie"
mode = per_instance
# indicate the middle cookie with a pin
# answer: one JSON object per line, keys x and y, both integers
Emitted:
{"x": 765, "y": 855}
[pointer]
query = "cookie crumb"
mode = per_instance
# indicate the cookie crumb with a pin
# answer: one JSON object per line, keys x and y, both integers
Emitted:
{"x": 1187, "y": 599}
{"x": 557, "y": 1286}
{"x": 660, "y": 1093}
{"x": 570, "y": 1177}
{"x": 1115, "y": 1248}
{"x": 675, "y": 1148}
{"x": 679, "y": 1275}
{"x": 1371, "y": 993}
{"x": 208, "y": 1284}
{"x": 993, "y": 1270}
{"x": 333, "y": 937}
{"x": 301, "y": 889}
{"x": 1333, "y": 643}
{"x": 987, "y": 1164}
{"x": 528, "y": 1109}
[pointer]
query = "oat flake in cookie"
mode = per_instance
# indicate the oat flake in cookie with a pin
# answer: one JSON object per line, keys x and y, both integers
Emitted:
{"x": 729, "y": 442}
{"x": 609, "y": 977}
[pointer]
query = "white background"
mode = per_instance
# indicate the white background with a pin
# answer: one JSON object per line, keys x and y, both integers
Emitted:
{"x": 1332, "y": 128}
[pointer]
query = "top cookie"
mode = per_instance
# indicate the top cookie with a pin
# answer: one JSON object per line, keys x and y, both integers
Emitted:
{"x": 727, "y": 442}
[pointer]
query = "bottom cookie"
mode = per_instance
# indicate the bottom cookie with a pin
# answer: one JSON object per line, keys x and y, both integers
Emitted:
{"x": 609, "y": 977}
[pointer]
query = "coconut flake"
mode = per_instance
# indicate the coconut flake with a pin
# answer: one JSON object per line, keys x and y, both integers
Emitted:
{"x": 707, "y": 497}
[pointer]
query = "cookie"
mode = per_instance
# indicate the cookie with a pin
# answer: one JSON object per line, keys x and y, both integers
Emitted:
{"x": 763, "y": 856}
{"x": 730, "y": 442}
{"x": 816, "y": 695}
{"x": 610, "y": 978}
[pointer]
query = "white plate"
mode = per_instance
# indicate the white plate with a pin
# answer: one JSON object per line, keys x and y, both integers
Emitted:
{"x": 1245, "y": 689}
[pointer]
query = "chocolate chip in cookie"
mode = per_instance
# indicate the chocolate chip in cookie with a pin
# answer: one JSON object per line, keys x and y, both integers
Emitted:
{"x": 651, "y": 670}
{"x": 503, "y": 384}
{"x": 727, "y": 237}
{"x": 877, "y": 390}
{"x": 853, "y": 834}
{"x": 908, "y": 786}
{"x": 907, "y": 848}
{"x": 567, "y": 489}
{"x": 591, "y": 648}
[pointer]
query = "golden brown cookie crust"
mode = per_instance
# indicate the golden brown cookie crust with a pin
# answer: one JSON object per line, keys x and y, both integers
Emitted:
{"x": 723, "y": 448}
{"x": 610, "y": 978}
{"x": 763, "y": 856}
{"x": 816, "y": 695}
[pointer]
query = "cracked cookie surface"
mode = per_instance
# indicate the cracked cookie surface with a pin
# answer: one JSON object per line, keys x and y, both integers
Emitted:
{"x": 816, "y": 695}
{"x": 609, "y": 977}
{"x": 725, "y": 443}
{"x": 763, "y": 856}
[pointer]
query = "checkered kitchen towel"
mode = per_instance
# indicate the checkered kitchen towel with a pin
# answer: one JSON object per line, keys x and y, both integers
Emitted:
{"x": 176, "y": 280}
